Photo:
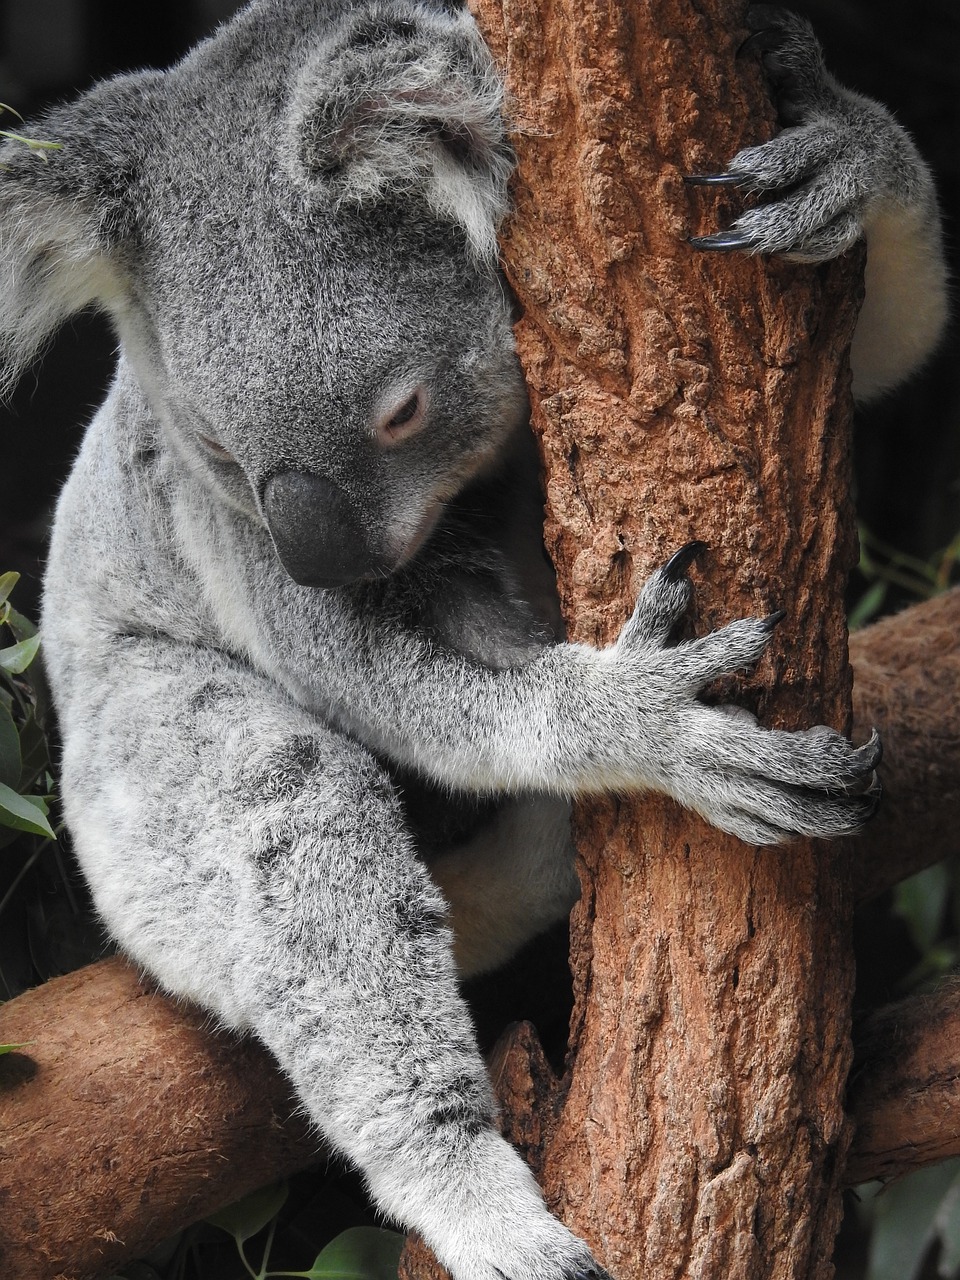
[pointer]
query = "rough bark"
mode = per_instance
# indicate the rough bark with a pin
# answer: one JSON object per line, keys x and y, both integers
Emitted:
{"x": 905, "y": 1089}
{"x": 701, "y": 1126}
{"x": 124, "y": 1118}
{"x": 907, "y": 673}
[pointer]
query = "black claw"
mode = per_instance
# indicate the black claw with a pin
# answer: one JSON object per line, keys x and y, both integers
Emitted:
{"x": 773, "y": 620}
{"x": 678, "y": 564}
{"x": 713, "y": 179}
{"x": 764, "y": 40}
{"x": 872, "y": 799}
{"x": 876, "y": 754}
{"x": 724, "y": 241}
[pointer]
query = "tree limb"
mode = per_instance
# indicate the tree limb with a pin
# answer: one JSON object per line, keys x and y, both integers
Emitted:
{"x": 905, "y": 1086}
{"x": 124, "y": 1118}
{"x": 906, "y": 677}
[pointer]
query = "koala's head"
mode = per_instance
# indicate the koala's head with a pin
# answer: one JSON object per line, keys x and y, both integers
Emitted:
{"x": 294, "y": 234}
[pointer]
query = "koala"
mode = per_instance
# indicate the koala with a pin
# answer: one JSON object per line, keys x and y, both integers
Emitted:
{"x": 296, "y": 597}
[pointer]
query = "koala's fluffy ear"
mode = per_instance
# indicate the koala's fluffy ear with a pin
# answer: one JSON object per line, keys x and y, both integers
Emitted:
{"x": 64, "y": 212}
{"x": 403, "y": 100}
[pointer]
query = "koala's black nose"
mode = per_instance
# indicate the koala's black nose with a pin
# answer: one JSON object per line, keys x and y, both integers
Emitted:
{"x": 316, "y": 530}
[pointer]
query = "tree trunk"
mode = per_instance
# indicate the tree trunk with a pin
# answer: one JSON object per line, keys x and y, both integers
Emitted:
{"x": 700, "y": 1129}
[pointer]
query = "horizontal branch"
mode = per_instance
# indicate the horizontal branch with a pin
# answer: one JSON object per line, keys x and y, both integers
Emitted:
{"x": 126, "y": 1117}
{"x": 906, "y": 677}
{"x": 905, "y": 1087}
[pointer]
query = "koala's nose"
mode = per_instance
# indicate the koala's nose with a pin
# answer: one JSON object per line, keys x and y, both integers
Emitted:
{"x": 316, "y": 530}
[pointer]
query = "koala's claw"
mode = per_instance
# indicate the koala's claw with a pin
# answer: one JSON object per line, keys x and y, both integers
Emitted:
{"x": 773, "y": 620}
{"x": 713, "y": 179}
{"x": 678, "y": 564}
{"x": 724, "y": 241}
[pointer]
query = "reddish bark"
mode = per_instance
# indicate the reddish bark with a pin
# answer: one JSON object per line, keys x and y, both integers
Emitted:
{"x": 124, "y": 1118}
{"x": 676, "y": 396}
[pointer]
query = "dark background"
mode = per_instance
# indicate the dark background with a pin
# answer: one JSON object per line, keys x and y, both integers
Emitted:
{"x": 908, "y": 448}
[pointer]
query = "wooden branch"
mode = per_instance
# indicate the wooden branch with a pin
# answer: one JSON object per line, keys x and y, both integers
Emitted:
{"x": 907, "y": 673}
{"x": 124, "y": 1118}
{"x": 905, "y": 1087}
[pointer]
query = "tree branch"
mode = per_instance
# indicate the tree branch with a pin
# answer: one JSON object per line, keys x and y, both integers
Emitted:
{"x": 124, "y": 1118}
{"x": 905, "y": 1086}
{"x": 906, "y": 677}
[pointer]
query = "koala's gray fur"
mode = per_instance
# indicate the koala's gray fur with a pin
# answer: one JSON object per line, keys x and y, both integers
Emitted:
{"x": 295, "y": 571}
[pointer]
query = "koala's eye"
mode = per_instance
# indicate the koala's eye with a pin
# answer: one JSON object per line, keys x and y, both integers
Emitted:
{"x": 402, "y": 421}
{"x": 217, "y": 450}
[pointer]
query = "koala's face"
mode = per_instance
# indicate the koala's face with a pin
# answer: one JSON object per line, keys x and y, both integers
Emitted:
{"x": 294, "y": 231}
{"x": 339, "y": 375}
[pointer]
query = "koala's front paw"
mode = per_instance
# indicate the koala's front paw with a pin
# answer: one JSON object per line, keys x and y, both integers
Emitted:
{"x": 841, "y": 158}
{"x": 759, "y": 784}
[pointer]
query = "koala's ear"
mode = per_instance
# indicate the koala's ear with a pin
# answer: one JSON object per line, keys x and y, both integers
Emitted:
{"x": 65, "y": 210}
{"x": 404, "y": 100}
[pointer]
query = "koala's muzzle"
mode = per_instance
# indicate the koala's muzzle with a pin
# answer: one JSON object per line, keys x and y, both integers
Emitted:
{"x": 317, "y": 531}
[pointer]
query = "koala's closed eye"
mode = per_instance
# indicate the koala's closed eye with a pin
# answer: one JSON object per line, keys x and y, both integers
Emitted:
{"x": 405, "y": 420}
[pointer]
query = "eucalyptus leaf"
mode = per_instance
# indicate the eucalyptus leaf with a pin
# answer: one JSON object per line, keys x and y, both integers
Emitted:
{"x": 22, "y": 628}
{"x": 7, "y": 580}
{"x": 17, "y": 657}
{"x": 362, "y": 1253}
{"x": 245, "y": 1218}
{"x": 905, "y": 1222}
{"x": 11, "y": 763}
{"x": 921, "y": 902}
{"x": 11, "y": 1048}
{"x": 24, "y": 813}
{"x": 948, "y": 1228}
{"x": 35, "y": 754}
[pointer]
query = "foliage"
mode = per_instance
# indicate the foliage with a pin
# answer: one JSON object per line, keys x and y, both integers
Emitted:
{"x": 25, "y": 781}
{"x": 359, "y": 1253}
{"x": 885, "y": 568}
{"x": 38, "y": 147}
{"x": 44, "y": 925}
{"x": 910, "y": 1219}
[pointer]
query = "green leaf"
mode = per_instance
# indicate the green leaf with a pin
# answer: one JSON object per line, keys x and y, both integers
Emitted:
{"x": 948, "y": 1228}
{"x": 34, "y": 753}
{"x": 244, "y": 1218}
{"x": 11, "y": 762}
{"x": 24, "y": 813}
{"x": 7, "y": 580}
{"x": 905, "y": 1222}
{"x": 362, "y": 1253}
{"x": 22, "y": 628}
{"x": 12, "y": 1048}
{"x": 867, "y": 606}
{"x": 921, "y": 902}
{"x": 18, "y": 657}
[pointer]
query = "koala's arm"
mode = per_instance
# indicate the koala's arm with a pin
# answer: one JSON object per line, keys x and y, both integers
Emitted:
{"x": 843, "y": 169}
{"x": 574, "y": 719}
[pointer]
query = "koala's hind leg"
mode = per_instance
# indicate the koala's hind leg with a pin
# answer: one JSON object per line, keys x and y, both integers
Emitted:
{"x": 510, "y": 882}
{"x": 259, "y": 863}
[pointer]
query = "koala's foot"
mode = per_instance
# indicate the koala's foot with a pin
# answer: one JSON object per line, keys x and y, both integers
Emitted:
{"x": 841, "y": 159}
{"x": 759, "y": 784}
{"x": 486, "y": 1220}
